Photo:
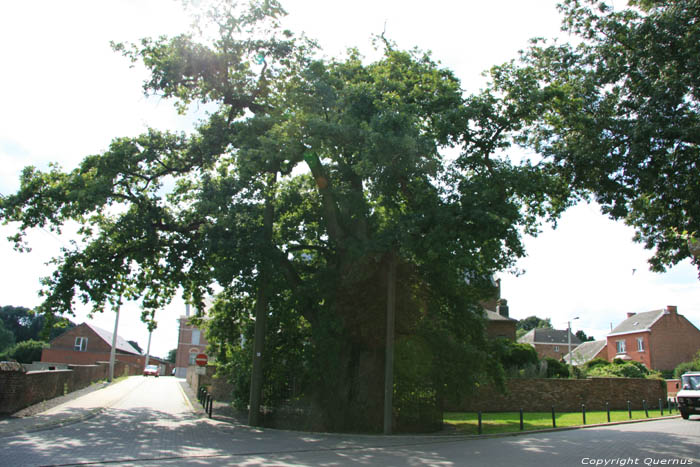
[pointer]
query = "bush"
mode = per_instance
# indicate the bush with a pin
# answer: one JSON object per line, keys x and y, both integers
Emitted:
{"x": 622, "y": 369}
{"x": 685, "y": 367}
{"x": 514, "y": 355}
{"x": 556, "y": 369}
{"x": 596, "y": 362}
{"x": 25, "y": 352}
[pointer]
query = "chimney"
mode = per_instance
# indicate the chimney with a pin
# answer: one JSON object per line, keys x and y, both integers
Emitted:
{"x": 629, "y": 315}
{"x": 671, "y": 309}
{"x": 502, "y": 307}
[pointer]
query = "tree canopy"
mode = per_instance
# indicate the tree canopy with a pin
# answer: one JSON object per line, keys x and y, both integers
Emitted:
{"x": 617, "y": 114}
{"x": 25, "y": 324}
{"x": 294, "y": 195}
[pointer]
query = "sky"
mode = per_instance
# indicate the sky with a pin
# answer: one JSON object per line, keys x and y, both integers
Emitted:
{"x": 64, "y": 94}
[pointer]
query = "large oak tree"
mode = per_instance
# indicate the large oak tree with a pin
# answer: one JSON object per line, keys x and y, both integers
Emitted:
{"x": 307, "y": 178}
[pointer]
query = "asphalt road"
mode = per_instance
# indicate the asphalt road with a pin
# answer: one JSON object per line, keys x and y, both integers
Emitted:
{"x": 149, "y": 421}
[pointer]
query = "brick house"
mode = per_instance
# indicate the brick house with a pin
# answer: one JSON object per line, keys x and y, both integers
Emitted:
{"x": 190, "y": 342}
{"x": 660, "y": 339}
{"x": 87, "y": 344}
{"x": 550, "y": 343}
{"x": 497, "y": 314}
{"x": 499, "y": 324}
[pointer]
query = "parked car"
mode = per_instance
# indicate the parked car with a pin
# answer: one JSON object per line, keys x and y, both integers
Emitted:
{"x": 151, "y": 370}
{"x": 689, "y": 396}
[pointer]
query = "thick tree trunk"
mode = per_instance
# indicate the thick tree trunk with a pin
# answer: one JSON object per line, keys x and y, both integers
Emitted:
{"x": 261, "y": 306}
{"x": 352, "y": 351}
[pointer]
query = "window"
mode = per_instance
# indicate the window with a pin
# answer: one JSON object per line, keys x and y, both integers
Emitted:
{"x": 195, "y": 336}
{"x": 621, "y": 347}
{"x": 193, "y": 356}
{"x": 80, "y": 344}
{"x": 640, "y": 344}
{"x": 556, "y": 348}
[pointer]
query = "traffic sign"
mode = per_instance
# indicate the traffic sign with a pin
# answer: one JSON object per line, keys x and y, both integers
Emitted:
{"x": 201, "y": 359}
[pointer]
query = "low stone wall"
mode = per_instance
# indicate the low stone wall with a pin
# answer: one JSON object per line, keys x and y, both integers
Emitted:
{"x": 218, "y": 388}
{"x": 540, "y": 395}
{"x": 20, "y": 388}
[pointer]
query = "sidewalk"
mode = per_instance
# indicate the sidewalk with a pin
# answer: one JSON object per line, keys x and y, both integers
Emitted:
{"x": 74, "y": 410}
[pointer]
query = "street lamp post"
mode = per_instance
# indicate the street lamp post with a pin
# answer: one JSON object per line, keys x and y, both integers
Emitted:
{"x": 571, "y": 366}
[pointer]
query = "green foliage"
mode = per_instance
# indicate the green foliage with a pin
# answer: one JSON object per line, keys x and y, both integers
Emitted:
{"x": 693, "y": 365}
{"x": 513, "y": 355}
{"x": 172, "y": 355}
{"x": 583, "y": 337}
{"x": 532, "y": 322}
{"x": 619, "y": 369}
{"x": 25, "y": 324}
{"x": 293, "y": 196}
{"x": 25, "y": 351}
{"x": 596, "y": 362}
{"x": 616, "y": 114}
{"x": 7, "y": 339}
{"x": 556, "y": 369}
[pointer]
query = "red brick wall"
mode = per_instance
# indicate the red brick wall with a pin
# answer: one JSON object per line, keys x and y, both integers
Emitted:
{"x": 674, "y": 340}
{"x": 541, "y": 395}
{"x": 19, "y": 390}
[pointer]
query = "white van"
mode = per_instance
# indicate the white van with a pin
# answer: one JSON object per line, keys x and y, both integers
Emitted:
{"x": 689, "y": 396}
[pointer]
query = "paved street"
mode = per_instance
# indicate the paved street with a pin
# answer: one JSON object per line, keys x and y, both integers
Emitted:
{"x": 149, "y": 421}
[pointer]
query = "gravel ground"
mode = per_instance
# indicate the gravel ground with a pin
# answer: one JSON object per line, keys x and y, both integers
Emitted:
{"x": 48, "y": 404}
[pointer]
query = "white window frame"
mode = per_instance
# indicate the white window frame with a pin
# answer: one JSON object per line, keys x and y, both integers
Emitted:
{"x": 621, "y": 346}
{"x": 556, "y": 348}
{"x": 192, "y": 357}
{"x": 80, "y": 344}
{"x": 198, "y": 334}
{"x": 640, "y": 344}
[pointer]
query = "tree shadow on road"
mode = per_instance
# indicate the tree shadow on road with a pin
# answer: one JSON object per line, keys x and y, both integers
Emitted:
{"x": 152, "y": 437}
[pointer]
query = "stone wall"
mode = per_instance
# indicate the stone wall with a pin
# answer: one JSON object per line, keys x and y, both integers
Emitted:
{"x": 217, "y": 387}
{"x": 540, "y": 395}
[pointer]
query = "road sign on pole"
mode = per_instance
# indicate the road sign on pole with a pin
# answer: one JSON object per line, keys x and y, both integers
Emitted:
{"x": 201, "y": 359}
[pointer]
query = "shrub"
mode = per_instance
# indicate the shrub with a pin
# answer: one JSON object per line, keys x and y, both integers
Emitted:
{"x": 25, "y": 352}
{"x": 556, "y": 369}
{"x": 685, "y": 367}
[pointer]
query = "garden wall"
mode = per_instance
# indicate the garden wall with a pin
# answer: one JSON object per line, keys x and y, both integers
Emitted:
{"x": 20, "y": 388}
{"x": 541, "y": 395}
{"x": 219, "y": 389}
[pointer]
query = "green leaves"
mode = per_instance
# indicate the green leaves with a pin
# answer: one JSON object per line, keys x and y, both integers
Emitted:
{"x": 617, "y": 115}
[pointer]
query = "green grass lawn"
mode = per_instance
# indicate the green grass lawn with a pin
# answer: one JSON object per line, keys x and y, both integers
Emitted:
{"x": 505, "y": 422}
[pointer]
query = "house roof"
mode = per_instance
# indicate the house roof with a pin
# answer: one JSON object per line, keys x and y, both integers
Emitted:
{"x": 549, "y": 336}
{"x": 638, "y": 322}
{"x": 493, "y": 316}
{"x": 586, "y": 351}
{"x": 122, "y": 344}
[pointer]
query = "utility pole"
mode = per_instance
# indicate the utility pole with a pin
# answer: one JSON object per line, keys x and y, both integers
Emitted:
{"x": 113, "y": 352}
{"x": 148, "y": 348}
{"x": 389, "y": 359}
{"x": 571, "y": 365}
